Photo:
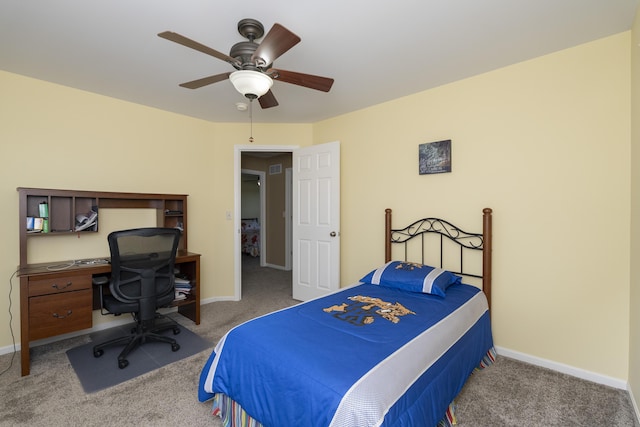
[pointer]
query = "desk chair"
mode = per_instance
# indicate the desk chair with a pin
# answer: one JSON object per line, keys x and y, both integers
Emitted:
{"x": 142, "y": 280}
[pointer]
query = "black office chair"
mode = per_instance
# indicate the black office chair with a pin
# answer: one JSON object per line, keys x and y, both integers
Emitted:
{"x": 142, "y": 280}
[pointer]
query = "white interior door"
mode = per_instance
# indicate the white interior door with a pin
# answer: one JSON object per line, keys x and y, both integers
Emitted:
{"x": 316, "y": 220}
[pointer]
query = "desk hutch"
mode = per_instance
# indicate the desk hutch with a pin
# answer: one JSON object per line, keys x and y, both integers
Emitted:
{"x": 56, "y": 300}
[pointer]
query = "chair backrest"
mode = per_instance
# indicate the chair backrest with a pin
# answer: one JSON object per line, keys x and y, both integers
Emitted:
{"x": 142, "y": 265}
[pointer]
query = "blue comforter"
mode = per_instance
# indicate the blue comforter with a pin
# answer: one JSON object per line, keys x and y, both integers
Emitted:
{"x": 366, "y": 355}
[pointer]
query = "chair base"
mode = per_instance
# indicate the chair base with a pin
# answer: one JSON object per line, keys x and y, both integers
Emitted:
{"x": 139, "y": 335}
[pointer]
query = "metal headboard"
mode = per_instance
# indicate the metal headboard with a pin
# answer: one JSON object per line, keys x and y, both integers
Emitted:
{"x": 446, "y": 230}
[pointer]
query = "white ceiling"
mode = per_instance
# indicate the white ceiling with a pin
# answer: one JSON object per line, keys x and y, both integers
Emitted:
{"x": 375, "y": 50}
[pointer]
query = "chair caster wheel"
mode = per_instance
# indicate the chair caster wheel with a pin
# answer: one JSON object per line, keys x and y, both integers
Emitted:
{"x": 175, "y": 347}
{"x": 123, "y": 363}
{"x": 98, "y": 353}
{"x": 176, "y": 331}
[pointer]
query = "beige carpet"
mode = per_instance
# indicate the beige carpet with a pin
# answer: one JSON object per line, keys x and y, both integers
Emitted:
{"x": 509, "y": 393}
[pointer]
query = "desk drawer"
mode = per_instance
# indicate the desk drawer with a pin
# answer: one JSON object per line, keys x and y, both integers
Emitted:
{"x": 54, "y": 284}
{"x": 51, "y": 315}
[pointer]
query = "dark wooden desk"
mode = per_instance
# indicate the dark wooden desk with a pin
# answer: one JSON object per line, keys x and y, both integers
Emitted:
{"x": 58, "y": 297}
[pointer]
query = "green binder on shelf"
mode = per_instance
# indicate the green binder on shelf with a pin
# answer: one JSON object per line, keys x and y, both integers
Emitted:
{"x": 44, "y": 210}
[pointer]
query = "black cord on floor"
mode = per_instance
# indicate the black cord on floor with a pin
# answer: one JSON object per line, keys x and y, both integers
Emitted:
{"x": 10, "y": 325}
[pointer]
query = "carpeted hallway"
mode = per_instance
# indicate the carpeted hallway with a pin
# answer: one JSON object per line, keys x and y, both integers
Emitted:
{"x": 509, "y": 393}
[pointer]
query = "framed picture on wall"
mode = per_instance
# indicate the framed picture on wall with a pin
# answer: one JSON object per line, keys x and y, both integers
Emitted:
{"x": 434, "y": 157}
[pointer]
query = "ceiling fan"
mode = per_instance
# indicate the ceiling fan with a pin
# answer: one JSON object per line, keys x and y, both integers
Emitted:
{"x": 253, "y": 62}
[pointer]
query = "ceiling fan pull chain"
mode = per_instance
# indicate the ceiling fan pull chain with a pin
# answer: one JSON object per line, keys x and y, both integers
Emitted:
{"x": 251, "y": 119}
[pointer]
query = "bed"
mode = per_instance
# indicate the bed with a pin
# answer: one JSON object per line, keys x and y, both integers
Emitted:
{"x": 394, "y": 349}
{"x": 250, "y": 236}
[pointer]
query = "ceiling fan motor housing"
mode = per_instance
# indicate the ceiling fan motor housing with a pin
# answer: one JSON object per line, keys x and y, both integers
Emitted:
{"x": 250, "y": 29}
{"x": 242, "y": 51}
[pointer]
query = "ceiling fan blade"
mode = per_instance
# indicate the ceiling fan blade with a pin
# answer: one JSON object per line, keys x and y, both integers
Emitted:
{"x": 180, "y": 39}
{"x": 277, "y": 41}
{"x": 268, "y": 100}
{"x": 307, "y": 80}
{"x": 195, "y": 84}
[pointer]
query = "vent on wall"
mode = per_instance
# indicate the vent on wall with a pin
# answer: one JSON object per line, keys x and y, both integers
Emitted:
{"x": 275, "y": 169}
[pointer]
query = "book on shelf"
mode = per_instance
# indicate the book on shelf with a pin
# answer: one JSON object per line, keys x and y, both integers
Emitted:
{"x": 182, "y": 288}
{"x": 38, "y": 223}
{"x": 180, "y": 296}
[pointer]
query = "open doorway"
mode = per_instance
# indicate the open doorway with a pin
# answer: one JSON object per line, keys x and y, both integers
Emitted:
{"x": 263, "y": 211}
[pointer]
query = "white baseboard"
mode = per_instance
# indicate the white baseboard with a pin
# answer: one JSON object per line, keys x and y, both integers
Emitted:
{"x": 276, "y": 267}
{"x": 635, "y": 405}
{"x": 565, "y": 369}
{"x": 575, "y": 372}
{"x": 216, "y": 299}
{"x": 555, "y": 366}
{"x": 8, "y": 349}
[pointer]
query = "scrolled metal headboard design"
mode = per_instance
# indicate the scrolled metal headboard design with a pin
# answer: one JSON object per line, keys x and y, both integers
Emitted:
{"x": 446, "y": 230}
{"x": 442, "y": 227}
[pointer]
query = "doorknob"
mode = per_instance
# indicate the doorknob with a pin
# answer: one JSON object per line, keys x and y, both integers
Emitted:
{"x": 333, "y": 234}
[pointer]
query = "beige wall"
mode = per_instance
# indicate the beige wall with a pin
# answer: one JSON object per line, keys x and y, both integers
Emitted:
{"x": 56, "y": 137}
{"x": 545, "y": 143}
{"x": 276, "y": 205}
{"x": 634, "y": 320}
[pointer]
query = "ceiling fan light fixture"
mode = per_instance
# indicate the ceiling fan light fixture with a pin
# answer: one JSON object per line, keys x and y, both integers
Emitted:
{"x": 251, "y": 84}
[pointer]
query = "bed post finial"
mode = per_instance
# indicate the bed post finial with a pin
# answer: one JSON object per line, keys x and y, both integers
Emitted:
{"x": 387, "y": 235}
{"x": 486, "y": 253}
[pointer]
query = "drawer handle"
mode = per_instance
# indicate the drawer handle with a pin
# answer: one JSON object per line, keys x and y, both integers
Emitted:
{"x": 57, "y": 316}
{"x": 55, "y": 286}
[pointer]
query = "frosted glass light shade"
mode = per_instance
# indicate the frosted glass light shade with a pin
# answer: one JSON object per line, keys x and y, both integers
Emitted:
{"x": 252, "y": 84}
